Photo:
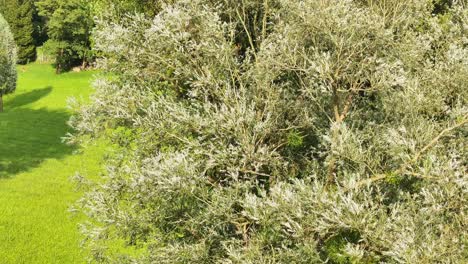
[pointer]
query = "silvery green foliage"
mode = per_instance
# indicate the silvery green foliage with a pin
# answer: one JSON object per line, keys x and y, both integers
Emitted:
{"x": 331, "y": 131}
{"x": 7, "y": 59}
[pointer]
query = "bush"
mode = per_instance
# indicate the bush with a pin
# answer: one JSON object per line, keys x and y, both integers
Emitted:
{"x": 281, "y": 132}
{"x": 45, "y": 56}
{"x": 7, "y": 61}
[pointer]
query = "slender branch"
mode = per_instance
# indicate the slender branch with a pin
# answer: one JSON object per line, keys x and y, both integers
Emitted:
{"x": 319, "y": 105}
{"x": 441, "y": 134}
{"x": 336, "y": 105}
{"x": 255, "y": 173}
{"x": 181, "y": 139}
{"x": 336, "y": 110}
{"x": 339, "y": 118}
{"x": 347, "y": 106}
{"x": 265, "y": 17}
{"x": 416, "y": 157}
{"x": 252, "y": 46}
{"x": 331, "y": 171}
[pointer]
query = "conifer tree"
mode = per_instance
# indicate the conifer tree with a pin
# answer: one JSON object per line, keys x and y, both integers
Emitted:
{"x": 19, "y": 14}
{"x": 7, "y": 61}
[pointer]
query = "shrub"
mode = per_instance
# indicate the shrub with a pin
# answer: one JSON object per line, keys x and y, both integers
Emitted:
{"x": 45, "y": 56}
{"x": 281, "y": 132}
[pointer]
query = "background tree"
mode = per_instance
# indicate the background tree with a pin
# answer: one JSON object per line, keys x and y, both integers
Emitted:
{"x": 280, "y": 132}
{"x": 7, "y": 61}
{"x": 40, "y": 29}
{"x": 19, "y": 14}
{"x": 121, "y": 7}
{"x": 69, "y": 23}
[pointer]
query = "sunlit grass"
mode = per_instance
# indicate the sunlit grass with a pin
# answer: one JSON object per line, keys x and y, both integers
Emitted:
{"x": 35, "y": 169}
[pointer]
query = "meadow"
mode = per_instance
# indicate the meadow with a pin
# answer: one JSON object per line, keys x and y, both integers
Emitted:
{"x": 36, "y": 192}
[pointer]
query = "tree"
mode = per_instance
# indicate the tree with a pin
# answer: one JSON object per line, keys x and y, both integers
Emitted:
{"x": 280, "y": 132}
{"x": 19, "y": 14}
{"x": 7, "y": 61}
{"x": 69, "y": 24}
{"x": 40, "y": 29}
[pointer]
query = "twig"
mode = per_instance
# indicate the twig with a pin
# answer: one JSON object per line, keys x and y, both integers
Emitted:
{"x": 255, "y": 173}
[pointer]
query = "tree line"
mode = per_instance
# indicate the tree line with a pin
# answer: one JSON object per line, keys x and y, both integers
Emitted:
{"x": 62, "y": 27}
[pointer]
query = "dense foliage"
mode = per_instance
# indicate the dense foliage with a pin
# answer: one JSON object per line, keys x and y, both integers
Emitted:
{"x": 7, "y": 61}
{"x": 281, "y": 131}
{"x": 69, "y": 25}
{"x": 19, "y": 14}
{"x": 121, "y": 7}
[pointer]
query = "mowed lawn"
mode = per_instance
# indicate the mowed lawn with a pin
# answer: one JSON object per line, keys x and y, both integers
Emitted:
{"x": 36, "y": 192}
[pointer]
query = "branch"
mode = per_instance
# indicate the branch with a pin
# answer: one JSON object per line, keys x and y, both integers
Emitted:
{"x": 255, "y": 173}
{"x": 265, "y": 17}
{"x": 416, "y": 157}
{"x": 347, "y": 105}
{"x": 339, "y": 117}
{"x": 252, "y": 46}
{"x": 441, "y": 134}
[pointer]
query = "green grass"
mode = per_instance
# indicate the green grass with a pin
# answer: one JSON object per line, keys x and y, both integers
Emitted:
{"x": 35, "y": 169}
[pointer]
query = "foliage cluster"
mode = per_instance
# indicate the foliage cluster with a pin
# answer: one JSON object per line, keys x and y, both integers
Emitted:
{"x": 120, "y": 8}
{"x": 281, "y": 131}
{"x": 7, "y": 61}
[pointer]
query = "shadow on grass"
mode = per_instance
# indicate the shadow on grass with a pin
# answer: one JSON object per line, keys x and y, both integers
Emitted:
{"x": 28, "y": 98}
{"x": 28, "y": 137}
